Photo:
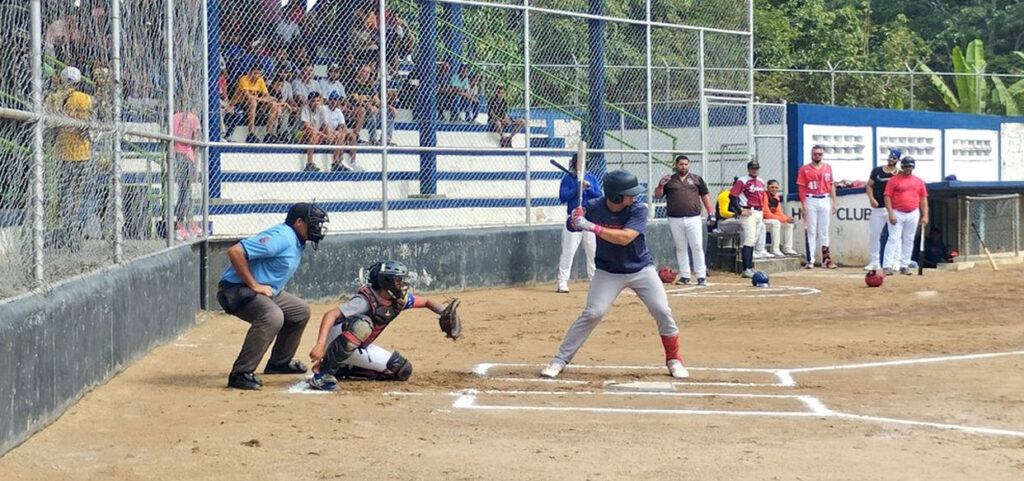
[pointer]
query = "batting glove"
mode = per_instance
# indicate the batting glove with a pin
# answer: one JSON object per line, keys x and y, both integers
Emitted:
{"x": 580, "y": 222}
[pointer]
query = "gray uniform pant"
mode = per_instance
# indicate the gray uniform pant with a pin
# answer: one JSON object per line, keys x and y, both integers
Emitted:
{"x": 604, "y": 288}
{"x": 283, "y": 317}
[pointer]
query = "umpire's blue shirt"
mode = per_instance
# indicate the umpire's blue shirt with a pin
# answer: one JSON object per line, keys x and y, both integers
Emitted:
{"x": 273, "y": 256}
{"x": 567, "y": 190}
{"x": 614, "y": 258}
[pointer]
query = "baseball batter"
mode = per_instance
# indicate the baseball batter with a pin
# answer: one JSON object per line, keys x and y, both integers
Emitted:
{"x": 818, "y": 200}
{"x": 622, "y": 261}
{"x": 906, "y": 205}
{"x": 745, "y": 201}
{"x": 684, "y": 193}
{"x": 875, "y": 190}
{"x": 568, "y": 194}
{"x": 344, "y": 346}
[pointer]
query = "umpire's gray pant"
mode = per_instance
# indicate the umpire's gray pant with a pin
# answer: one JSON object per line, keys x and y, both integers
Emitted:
{"x": 283, "y": 316}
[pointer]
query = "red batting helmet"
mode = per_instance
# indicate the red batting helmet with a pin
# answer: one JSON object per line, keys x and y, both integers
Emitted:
{"x": 874, "y": 278}
{"x": 667, "y": 275}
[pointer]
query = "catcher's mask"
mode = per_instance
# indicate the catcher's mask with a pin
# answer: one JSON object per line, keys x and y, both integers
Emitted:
{"x": 389, "y": 275}
{"x": 313, "y": 216}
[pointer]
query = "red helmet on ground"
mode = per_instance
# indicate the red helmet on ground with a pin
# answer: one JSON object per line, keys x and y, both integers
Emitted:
{"x": 667, "y": 275}
{"x": 874, "y": 278}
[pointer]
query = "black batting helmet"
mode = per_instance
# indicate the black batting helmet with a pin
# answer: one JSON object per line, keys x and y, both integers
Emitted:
{"x": 618, "y": 183}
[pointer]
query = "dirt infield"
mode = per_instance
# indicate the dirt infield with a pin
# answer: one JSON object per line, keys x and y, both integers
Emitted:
{"x": 818, "y": 377}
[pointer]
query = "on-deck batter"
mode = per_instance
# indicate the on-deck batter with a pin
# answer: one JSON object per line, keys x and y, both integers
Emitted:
{"x": 818, "y": 200}
{"x": 622, "y": 261}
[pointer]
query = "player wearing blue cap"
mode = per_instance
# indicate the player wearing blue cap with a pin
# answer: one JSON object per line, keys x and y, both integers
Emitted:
{"x": 875, "y": 190}
{"x": 622, "y": 260}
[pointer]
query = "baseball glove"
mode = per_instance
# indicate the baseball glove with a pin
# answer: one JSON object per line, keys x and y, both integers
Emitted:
{"x": 449, "y": 320}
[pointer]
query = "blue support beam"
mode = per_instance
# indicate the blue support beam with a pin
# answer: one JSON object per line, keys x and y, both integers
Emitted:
{"x": 213, "y": 95}
{"x": 426, "y": 101}
{"x": 593, "y": 132}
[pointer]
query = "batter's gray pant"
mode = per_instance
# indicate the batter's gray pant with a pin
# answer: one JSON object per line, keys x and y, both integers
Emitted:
{"x": 283, "y": 316}
{"x": 603, "y": 290}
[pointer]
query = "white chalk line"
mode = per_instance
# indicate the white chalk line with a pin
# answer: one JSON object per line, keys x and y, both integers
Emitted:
{"x": 784, "y": 379}
{"x": 902, "y": 362}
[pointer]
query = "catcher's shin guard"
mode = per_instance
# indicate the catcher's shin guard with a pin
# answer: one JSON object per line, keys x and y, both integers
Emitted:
{"x": 357, "y": 330}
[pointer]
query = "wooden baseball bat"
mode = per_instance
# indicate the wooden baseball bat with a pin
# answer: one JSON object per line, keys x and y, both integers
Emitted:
{"x": 581, "y": 167}
{"x": 920, "y": 251}
{"x": 991, "y": 260}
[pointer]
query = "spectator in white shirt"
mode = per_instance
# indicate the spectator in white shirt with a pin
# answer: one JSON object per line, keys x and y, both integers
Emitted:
{"x": 305, "y": 85}
{"x": 314, "y": 126}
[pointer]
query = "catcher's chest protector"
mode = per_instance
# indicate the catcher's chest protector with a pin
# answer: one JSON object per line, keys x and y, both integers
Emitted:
{"x": 380, "y": 314}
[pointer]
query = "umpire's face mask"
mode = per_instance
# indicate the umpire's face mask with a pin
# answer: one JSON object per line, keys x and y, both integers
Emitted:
{"x": 315, "y": 228}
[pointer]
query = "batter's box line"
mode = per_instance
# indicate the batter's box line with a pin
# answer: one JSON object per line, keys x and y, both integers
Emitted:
{"x": 467, "y": 399}
{"x": 782, "y": 376}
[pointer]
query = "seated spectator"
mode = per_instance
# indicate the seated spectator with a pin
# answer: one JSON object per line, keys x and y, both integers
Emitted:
{"x": 252, "y": 96}
{"x": 282, "y": 131}
{"x": 289, "y": 27}
{"x": 445, "y": 95}
{"x": 339, "y": 134}
{"x": 935, "y": 251}
{"x": 304, "y": 85}
{"x": 400, "y": 40}
{"x": 727, "y": 222}
{"x": 478, "y": 98}
{"x": 366, "y": 104}
{"x": 282, "y": 64}
{"x": 463, "y": 99}
{"x": 498, "y": 119}
{"x": 255, "y": 55}
{"x": 364, "y": 36}
{"x": 314, "y": 127}
{"x": 229, "y": 117}
{"x": 300, "y": 56}
{"x": 777, "y": 222}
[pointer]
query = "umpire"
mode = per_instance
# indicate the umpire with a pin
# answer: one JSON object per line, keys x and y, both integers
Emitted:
{"x": 252, "y": 288}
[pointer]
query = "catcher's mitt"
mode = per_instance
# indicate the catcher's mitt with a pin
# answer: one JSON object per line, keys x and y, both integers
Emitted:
{"x": 449, "y": 320}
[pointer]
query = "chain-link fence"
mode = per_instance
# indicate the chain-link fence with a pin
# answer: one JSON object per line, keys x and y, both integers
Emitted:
{"x": 993, "y": 222}
{"x": 89, "y": 91}
{"x": 448, "y": 113}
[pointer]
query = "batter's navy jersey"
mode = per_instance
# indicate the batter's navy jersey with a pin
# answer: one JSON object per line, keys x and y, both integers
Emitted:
{"x": 614, "y": 258}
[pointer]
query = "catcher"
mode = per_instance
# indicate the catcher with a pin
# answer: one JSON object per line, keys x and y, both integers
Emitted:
{"x": 344, "y": 346}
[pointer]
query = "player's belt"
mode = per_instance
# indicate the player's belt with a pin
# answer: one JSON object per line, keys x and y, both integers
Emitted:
{"x": 819, "y": 196}
{"x": 755, "y": 208}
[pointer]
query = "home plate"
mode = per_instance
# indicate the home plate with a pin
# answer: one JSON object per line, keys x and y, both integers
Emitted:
{"x": 640, "y": 386}
{"x": 926, "y": 294}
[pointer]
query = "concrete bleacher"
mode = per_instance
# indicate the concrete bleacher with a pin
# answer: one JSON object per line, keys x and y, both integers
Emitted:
{"x": 723, "y": 254}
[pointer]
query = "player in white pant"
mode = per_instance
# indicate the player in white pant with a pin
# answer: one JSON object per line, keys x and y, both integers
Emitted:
{"x": 745, "y": 198}
{"x": 622, "y": 261}
{"x": 818, "y": 200}
{"x": 684, "y": 193}
{"x": 777, "y": 222}
{"x": 568, "y": 193}
{"x": 875, "y": 190}
{"x": 906, "y": 205}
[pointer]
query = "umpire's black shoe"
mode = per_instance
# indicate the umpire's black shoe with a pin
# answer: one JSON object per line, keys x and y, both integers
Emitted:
{"x": 291, "y": 367}
{"x": 244, "y": 380}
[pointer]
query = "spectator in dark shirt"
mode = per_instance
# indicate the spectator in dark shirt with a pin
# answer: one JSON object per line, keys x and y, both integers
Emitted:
{"x": 497, "y": 113}
{"x": 935, "y": 251}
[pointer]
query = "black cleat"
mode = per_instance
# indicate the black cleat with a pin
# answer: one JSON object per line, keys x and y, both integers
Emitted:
{"x": 244, "y": 380}
{"x": 291, "y": 367}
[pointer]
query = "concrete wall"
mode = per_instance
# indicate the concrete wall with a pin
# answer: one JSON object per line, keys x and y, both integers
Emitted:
{"x": 443, "y": 260}
{"x": 59, "y": 344}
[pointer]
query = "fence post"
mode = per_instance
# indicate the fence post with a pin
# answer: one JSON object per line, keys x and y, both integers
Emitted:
{"x": 650, "y": 107}
{"x": 382, "y": 125}
{"x": 118, "y": 197}
{"x": 171, "y": 194}
{"x": 38, "y": 209}
{"x": 967, "y": 216}
{"x": 526, "y": 105}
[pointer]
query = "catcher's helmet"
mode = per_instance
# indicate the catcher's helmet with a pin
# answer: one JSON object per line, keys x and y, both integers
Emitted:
{"x": 759, "y": 279}
{"x": 313, "y": 216}
{"x": 389, "y": 275}
{"x": 667, "y": 274}
{"x": 874, "y": 278}
{"x": 618, "y": 183}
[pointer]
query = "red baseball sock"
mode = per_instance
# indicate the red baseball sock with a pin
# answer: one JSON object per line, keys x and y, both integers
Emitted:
{"x": 671, "y": 344}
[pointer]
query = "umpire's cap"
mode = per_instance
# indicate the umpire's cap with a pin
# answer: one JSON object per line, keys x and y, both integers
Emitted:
{"x": 618, "y": 183}
{"x": 907, "y": 161}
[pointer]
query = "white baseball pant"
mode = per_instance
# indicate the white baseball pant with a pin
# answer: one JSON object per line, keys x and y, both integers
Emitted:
{"x": 604, "y": 288}
{"x": 875, "y": 225}
{"x": 900, "y": 246}
{"x": 782, "y": 234}
{"x": 372, "y": 357}
{"x": 752, "y": 226}
{"x": 688, "y": 235}
{"x": 570, "y": 242}
{"x": 761, "y": 237}
{"x": 818, "y": 214}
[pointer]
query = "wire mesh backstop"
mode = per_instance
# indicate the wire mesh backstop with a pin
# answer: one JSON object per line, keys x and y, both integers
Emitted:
{"x": 127, "y": 127}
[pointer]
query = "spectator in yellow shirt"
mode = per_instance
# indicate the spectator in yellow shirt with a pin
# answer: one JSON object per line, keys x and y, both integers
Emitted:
{"x": 727, "y": 223}
{"x": 71, "y": 151}
{"x": 251, "y": 95}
